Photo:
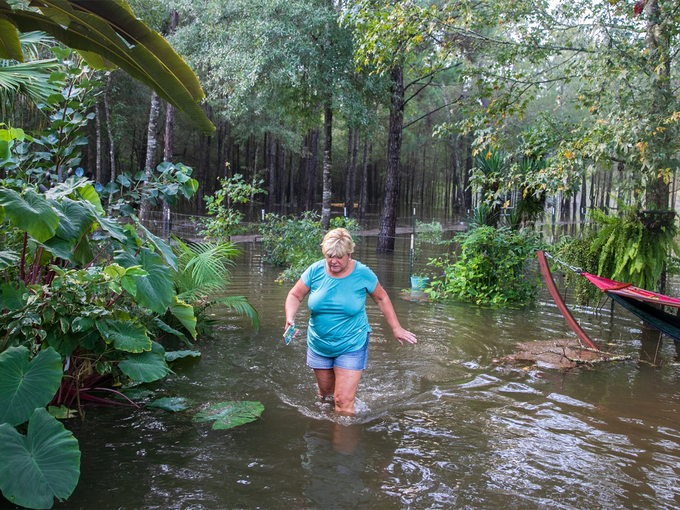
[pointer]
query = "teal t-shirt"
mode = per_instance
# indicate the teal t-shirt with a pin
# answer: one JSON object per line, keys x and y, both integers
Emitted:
{"x": 338, "y": 321}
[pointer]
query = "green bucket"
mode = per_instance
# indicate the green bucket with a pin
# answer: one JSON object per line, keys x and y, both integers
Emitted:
{"x": 419, "y": 282}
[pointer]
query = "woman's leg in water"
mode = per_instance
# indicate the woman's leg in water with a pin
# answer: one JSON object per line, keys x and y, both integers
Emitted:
{"x": 346, "y": 384}
{"x": 325, "y": 380}
{"x": 340, "y": 382}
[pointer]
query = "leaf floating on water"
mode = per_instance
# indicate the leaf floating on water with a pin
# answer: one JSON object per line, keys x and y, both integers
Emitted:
{"x": 175, "y": 355}
{"x": 171, "y": 404}
{"x": 138, "y": 393}
{"x": 230, "y": 414}
{"x": 62, "y": 412}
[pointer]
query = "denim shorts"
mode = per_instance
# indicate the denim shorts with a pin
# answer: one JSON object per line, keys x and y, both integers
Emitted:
{"x": 355, "y": 360}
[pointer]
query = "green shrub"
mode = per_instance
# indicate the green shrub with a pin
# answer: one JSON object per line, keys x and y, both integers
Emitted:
{"x": 577, "y": 253}
{"x": 296, "y": 243}
{"x": 223, "y": 221}
{"x": 491, "y": 268}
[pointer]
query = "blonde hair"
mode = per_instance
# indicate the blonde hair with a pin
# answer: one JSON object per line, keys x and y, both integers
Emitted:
{"x": 337, "y": 243}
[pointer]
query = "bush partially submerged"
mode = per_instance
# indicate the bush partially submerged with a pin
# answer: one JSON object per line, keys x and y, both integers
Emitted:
{"x": 296, "y": 243}
{"x": 491, "y": 268}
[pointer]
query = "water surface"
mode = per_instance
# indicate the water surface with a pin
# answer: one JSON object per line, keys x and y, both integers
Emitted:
{"x": 440, "y": 424}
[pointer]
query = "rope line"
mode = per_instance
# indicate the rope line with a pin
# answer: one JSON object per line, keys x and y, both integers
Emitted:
{"x": 575, "y": 269}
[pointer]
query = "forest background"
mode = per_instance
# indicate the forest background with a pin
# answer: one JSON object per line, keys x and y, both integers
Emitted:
{"x": 394, "y": 105}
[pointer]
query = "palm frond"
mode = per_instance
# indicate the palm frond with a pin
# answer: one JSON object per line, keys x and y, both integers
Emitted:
{"x": 241, "y": 306}
{"x": 203, "y": 272}
{"x": 30, "y": 78}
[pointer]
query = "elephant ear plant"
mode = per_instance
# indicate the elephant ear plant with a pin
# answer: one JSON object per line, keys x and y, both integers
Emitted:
{"x": 84, "y": 303}
{"x": 80, "y": 305}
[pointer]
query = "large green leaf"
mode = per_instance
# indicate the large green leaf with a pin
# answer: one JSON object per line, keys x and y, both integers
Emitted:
{"x": 75, "y": 219}
{"x": 44, "y": 464}
{"x": 66, "y": 188}
{"x": 175, "y": 355}
{"x": 8, "y": 259}
{"x": 10, "y": 45}
{"x": 126, "y": 335}
{"x": 185, "y": 314}
{"x": 159, "y": 244}
{"x": 154, "y": 291}
{"x": 231, "y": 414}
{"x": 30, "y": 213}
{"x": 59, "y": 247}
{"x": 109, "y": 225}
{"x": 172, "y": 404}
{"x": 13, "y": 298}
{"x": 90, "y": 194}
{"x": 26, "y": 385}
{"x": 146, "y": 367}
{"x": 112, "y": 31}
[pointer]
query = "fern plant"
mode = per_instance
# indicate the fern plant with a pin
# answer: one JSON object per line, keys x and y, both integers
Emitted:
{"x": 202, "y": 274}
{"x": 631, "y": 252}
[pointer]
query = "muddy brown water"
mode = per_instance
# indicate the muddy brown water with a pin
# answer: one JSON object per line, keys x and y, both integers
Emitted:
{"x": 439, "y": 424}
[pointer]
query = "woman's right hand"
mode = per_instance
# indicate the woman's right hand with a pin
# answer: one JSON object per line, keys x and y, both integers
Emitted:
{"x": 289, "y": 323}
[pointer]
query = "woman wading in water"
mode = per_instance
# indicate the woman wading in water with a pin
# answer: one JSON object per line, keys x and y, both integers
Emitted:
{"x": 338, "y": 332}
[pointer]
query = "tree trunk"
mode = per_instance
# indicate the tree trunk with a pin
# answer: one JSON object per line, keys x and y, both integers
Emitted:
{"x": 151, "y": 142}
{"x": 348, "y": 168}
{"x": 98, "y": 156}
{"x": 353, "y": 176}
{"x": 282, "y": 152}
{"x": 254, "y": 178}
{"x": 327, "y": 163}
{"x": 169, "y": 136}
{"x": 112, "y": 173}
{"x": 584, "y": 197}
{"x": 467, "y": 189}
{"x": 388, "y": 218}
{"x": 167, "y": 156}
{"x": 272, "y": 180}
{"x": 315, "y": 163}
{"x": 364, "y": 183}
{"x": 302, "y": 174}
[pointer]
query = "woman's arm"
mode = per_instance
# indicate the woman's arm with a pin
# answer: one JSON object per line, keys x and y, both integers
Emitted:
{"x": 295, "y": 297}
{"x": 383, "y": 301}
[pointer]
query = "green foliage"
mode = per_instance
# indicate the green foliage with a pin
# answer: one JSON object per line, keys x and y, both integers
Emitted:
{"x": 291, "y": 242}
{"x": 108, "y": 34}
{"x": 42, "y": 465}
{"x": 224, "y": 221}
{"x": 227, "y": 415}
{"x": 202, "y": 279}
{"x": 168, "y": 183}
{"x": 29, "y": 77}
{"x": 631, "y": 251}
{"x": 296, "y": 243}
{"x": 27, "y": 385}
{"x": 483, "y": 215}
{"x": 44, "y": 157}
{"x": 490, "y": 270}
{"x": 577, "y": 253}
{"x": 349, "y": 224}
{"x": 631, "y": 247}
{"x": 175, "y": 355}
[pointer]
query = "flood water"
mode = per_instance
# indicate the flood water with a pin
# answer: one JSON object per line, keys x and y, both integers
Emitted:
{"x": 440, "y": 424}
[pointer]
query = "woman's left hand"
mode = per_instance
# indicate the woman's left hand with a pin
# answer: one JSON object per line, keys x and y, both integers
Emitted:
{"x": 401, "y": 334}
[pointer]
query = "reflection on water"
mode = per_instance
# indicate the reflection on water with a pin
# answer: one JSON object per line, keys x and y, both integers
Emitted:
{"x": 439, "y": 424}
{"x": 334, "y": 461}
